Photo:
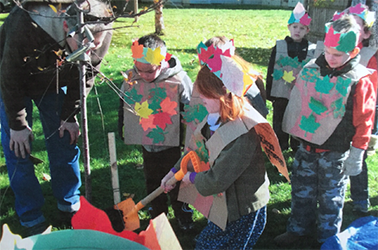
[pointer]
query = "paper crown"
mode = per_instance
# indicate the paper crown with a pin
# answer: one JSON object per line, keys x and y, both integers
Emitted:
{"x": 220, "y": 62}
{"x": 147, "y": 55}
{"x": 344, "y": 42}
{"x": 299, "y": 15}
{"x": 360, "y": 10}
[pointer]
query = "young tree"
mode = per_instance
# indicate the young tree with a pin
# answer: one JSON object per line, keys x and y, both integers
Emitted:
{"x": 159, "y": 21}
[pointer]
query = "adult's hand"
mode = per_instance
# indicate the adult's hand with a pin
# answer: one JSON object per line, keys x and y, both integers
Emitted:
{"x": 72, "y": 128}
{"x": 20, "y": 141}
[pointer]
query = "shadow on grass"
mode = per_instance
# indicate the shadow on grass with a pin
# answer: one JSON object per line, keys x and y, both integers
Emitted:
{"x": 171, "y": 5}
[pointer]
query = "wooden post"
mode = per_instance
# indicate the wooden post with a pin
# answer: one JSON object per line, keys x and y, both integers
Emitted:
{"x": 321, "y": 13}
{"x": 114, "y": 168}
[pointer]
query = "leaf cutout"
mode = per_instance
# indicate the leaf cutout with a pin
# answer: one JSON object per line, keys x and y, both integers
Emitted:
{"x": 317, "y": 106}
{"x": 288, "y": 76}
{"x": 143, "y": 110}
{"x": 309, "y": 75}
{"x": 157, "y": 94}
{"x": 155, "y": 106}
{"x": 309, "y": 124}
{"x": 196, "y": 112}
{"x": 342, "y": 85}
{"x": 339, "y": 108}
{"x": 331, "y": 39}
{"x": 132, "y": 96}
{"x": 137, "y": 50}
{"x": 157, "y": 134}
{"x": 323, "y": 85}
{"x": 277, "y": 74}
{"x": 204, "y": 55}
{"x": 201, "y": 151}
{"x": 358, "y": 9}
{"x": 147, "y": 123}
{"x": 162, "y": 119}
{"x": 215, "y": 63}
{"x": 347, "y": 41}
{"x": 169, "y": 106}
{"x": 154, "y": 56}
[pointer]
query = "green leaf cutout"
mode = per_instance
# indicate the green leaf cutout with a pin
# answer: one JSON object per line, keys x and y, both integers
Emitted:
{"x": 157, "y": 134}
{"x": 196, "y": 112}
{"x": 342, "y": 85}
{"x": 132, "y": 96}
{"x": 323, "y": 85}
{"x": 317, "y": 106}
{"x": 309, "y": 124}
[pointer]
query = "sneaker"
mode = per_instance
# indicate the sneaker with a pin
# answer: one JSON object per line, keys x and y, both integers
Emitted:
{"x": 286, "y": 239}
{"x": 185, "y": 220}
{"x": 36, "y": 229}
{"x": 65, "y": 218}
{"x": 361, "y": 206}
{"x": 185, "y": 225}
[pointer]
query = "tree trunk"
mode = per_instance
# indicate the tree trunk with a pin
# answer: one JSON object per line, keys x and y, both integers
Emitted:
{"x": 159, "y": 21}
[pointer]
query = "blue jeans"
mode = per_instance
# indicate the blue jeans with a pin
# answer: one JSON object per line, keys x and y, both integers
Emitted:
{"x": 63, "y": 159}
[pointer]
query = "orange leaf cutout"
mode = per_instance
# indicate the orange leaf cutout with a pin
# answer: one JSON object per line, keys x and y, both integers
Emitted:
{"x": 168, "y": 106}
{"x": 137, "y": 50}
{"x": 147, "y": 122}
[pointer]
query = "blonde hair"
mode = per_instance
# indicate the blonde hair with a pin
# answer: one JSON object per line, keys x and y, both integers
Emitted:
{"x": 210, "y": 86}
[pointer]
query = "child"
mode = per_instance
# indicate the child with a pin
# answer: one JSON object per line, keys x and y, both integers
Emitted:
{"x": 286, "y": 60}
{"x": 332, "y": 115}
{"x": 365, "y": 20}
{"x": 231, "y": 145}
{"x": 256, "y": 94}
{"x": 154, "y": 93}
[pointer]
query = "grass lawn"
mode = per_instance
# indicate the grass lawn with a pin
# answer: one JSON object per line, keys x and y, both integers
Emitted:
{"x": 255, "y": 30}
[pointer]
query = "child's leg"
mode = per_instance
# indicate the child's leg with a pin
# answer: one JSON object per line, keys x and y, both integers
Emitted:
{"x": 332, "y": 186}
{"x": 154, "y": 170}
{"x": 279, "y": 107}
{"x": 304, "y": 181}
{"x": 156, "y": 166}
{"x": 240, "y": 234}
{"x": 359, "y": 189}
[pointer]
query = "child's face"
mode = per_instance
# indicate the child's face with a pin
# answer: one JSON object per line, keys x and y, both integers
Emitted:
{"x": 335, "y": 58}
{"x": 362, "y": 35}
{"x": 297, "y": 31}
{"x": 147, "y": 71}
{"x": 212, "y": 105}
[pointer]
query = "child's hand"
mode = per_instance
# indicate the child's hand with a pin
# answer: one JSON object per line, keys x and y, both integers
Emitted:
{"x": 164, "y": 185}
{"x": 189, "y": 178}
{"x": 186, "y": 179}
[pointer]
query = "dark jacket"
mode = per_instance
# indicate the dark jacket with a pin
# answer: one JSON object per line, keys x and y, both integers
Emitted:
{"x": 28, "y": 68}
{"x": 295, "y": 49}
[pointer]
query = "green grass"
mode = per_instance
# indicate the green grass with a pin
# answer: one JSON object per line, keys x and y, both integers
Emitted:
{"x": 255, "y": 30}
